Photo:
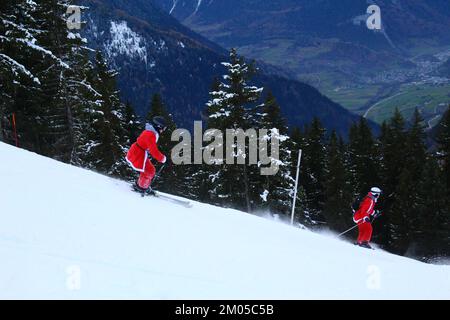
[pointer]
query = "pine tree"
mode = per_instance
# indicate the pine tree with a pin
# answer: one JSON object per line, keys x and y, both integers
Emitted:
{"x": 50, "y": 94}
{"x": 338, "y": 190}
{"x": 431, "y": 230}
{"x": 65, "y": 107}
{"x": 170, "y": 178}
{"x": 362, "y": 154}
{"x": 399, "y": 213}
{"x": 230, "y": 107}
{"x": 403, "y": 209}
{"x": 82, "y": 101}
{"x": 393, "y": 148}
{"x": 200, "y": 179}
{"x": 132, "y": 124}
{"x": 85, "y": 103}
{"x": 274, "y": 192}
{"x": 393, "y": 142}
{"x": 314, "y": 169}
{"x": 56, "y": 105}
{"x": 415, "y": 146}
{"x": 404, "y": 155}
{"x": 21, "y": 60}
{"x": 106, "y": 152}
{"x": 443, "y": 140}
{"x": 157, "y": 108}
{"x": 416, "y": 158}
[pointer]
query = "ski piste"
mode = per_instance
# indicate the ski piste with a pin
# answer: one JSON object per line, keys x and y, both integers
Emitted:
{"x": 126, "y": 247}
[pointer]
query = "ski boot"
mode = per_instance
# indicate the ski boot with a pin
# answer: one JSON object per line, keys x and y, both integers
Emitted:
{"x": 143, "y": 191}
{"x": 365, "y": 245}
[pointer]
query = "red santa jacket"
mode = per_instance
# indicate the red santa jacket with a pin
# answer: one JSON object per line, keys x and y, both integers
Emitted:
{"x": 146, "y": 144}
{"x": 366, "y": 209}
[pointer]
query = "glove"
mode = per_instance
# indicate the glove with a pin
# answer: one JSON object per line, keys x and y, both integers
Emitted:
{"x": 377, "y": 214}
{"x": 366, "y": 219}
{"x": 164, "y": 159}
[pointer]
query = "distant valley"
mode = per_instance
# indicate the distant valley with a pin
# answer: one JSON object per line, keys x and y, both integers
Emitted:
{"x": 327, "y": 44}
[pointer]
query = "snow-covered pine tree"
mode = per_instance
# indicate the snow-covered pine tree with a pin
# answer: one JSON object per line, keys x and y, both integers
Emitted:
{"x": 86, "y": 110}
{"x": 232, "y": 107}
{"x": 274, "y": 192}
{"x": 203, "y": 176}
{"x": 21, "y": 57}
{"x": 56, "y": 105}
{"x": 108, "y": 143}
{"x": 82, "y": 99}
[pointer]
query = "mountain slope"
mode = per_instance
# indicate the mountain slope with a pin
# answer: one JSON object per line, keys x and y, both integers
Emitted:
{"x": 156, "y": 54}
{"x": 327, "y": 44}
{"x": 444, "y": 70}
{"x": 71, "y": 233}
{"x": 405, "y": 20}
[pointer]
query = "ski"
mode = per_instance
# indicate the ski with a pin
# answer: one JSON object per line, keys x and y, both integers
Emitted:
{"x": 184, "y": 203}
{"x": 156, "y": 194}
{"x": 364, "y": 247}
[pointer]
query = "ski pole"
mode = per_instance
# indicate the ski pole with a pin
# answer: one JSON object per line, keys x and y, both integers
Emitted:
{"x": 373, "y": 220}
{"x": 347, "y": 231}
{"x": 158, "y": 173}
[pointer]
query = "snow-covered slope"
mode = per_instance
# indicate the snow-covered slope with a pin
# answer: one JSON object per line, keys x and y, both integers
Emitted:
{"x": 71, "y": 233}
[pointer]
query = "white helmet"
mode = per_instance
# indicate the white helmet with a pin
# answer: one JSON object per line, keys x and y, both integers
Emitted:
{"x": 376, "y": 191}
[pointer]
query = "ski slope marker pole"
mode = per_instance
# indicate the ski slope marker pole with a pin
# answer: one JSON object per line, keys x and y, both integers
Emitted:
{"x": 296, "y": 185}
{"x": 15, "y": 129}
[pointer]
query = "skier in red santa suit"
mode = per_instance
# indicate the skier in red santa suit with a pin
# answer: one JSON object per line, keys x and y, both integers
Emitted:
{"x": 138, "y": 157}
{"x": 364, "y": 215}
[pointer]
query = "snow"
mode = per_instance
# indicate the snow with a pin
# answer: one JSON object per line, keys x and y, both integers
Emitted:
{"x": 74, "y": 36}
{"x": 264, "y": 195}
{"x": 125, "y": 41}
{"x": 175, "y": 2}
{"x": 32, "y": 45}
{"x": 30, "y": 41}
{"x": 17, "y": 66}
{"x": 199, "y": 3}
{"x": 69, "y": 233}
{"x": 197, "y": 7}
